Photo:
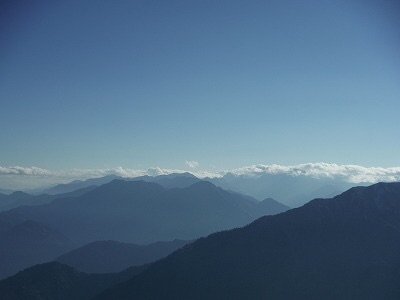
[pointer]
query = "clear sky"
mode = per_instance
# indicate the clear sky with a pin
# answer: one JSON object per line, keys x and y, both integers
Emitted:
{"x": 138, "y": 84}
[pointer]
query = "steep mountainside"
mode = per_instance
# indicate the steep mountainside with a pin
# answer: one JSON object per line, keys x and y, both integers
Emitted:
{"x": 347, "y": 247}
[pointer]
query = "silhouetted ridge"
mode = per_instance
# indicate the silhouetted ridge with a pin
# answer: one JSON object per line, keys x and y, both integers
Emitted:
{"x": 378, "y": 199}
{"x": 58, "y": 281}
{"x": 347, "y": 247}
{"x": 112, "y": 256}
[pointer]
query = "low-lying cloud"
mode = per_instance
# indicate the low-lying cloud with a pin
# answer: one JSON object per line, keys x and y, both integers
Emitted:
{"x": 16, "y": 177}
{"x": 23, "y": 171}
{"x": 25, "y": 178}
{"x": 349, "y": 173}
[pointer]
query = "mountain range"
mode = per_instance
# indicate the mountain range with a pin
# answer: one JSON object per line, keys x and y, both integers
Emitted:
{"x": 346, "y": 247}
{"x": 292, "y": 190}
{"x": 78, "y": 184}
{"x": 174, "y": 180}
{"x": 126, "y": 211}
{"x": 143, "y": 212}
{"x": 19, "y": 198}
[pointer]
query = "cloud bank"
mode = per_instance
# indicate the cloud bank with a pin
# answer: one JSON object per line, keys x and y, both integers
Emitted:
{"x": 17, "y": 177}
{"x": 25, "y": 178}
{"x": 349, "y": 173}
{"x": 24, "y": 171}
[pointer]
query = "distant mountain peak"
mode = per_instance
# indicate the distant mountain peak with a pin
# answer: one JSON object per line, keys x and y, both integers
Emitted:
{"x": 172, "y": 175}
{"x": 19, "y": 194}
{"x": 203, "y": 184}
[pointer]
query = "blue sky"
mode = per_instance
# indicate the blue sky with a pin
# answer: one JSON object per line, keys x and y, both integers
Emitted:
{"x": 138, "y": 84}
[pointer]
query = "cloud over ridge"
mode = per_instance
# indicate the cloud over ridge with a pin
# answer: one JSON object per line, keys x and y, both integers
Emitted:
{"x": 349, "y": 173}
{"x": 34, "y": 176}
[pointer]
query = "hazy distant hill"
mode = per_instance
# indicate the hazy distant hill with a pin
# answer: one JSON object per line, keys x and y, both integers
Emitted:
{"x": 270, "y": 205}
{"x": 112, "y": 256}
{"x": 130, "y": 211}
{"x": 79, "y": 184}
{"x": 57, "y": 281}
{"x": 15, "y": 199}
{"x": 347, "y": 247}
{"x": 142, "y": 212}
{"x": 288, "y": 189}
{"x": 6, "y": 191}
{"x": 20, "y": 198}
{"x": 28, "y": 243}
{"x": 174, "y": 180}
{"x": 291, "y": 190}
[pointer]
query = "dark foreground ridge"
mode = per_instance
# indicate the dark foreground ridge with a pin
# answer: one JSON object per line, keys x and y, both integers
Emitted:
{"x": 347, "y": 247}
{"x": 58, "y": 281}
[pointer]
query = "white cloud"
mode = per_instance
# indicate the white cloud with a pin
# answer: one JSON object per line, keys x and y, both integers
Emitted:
{"x": 23, "y": 178}
{"x": 192, "y": 164}
{"x": 23, "y": 171}
{"x": 350, "y": 173}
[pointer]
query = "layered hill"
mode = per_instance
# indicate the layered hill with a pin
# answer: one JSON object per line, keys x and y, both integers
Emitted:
{"x": 127, "y": 211}
{"x": 10, "y": 199}
{"x": 58, "y": 281}
{"x": 18, "y": 198}
{"x": 347, "y": 247}
{"x": 79, "y": 184}
{"x": 142, "y": 212}
{"x": 29, "y": 243}
{"x": 174, "y": 180}
{"x": 112, "y": 256}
